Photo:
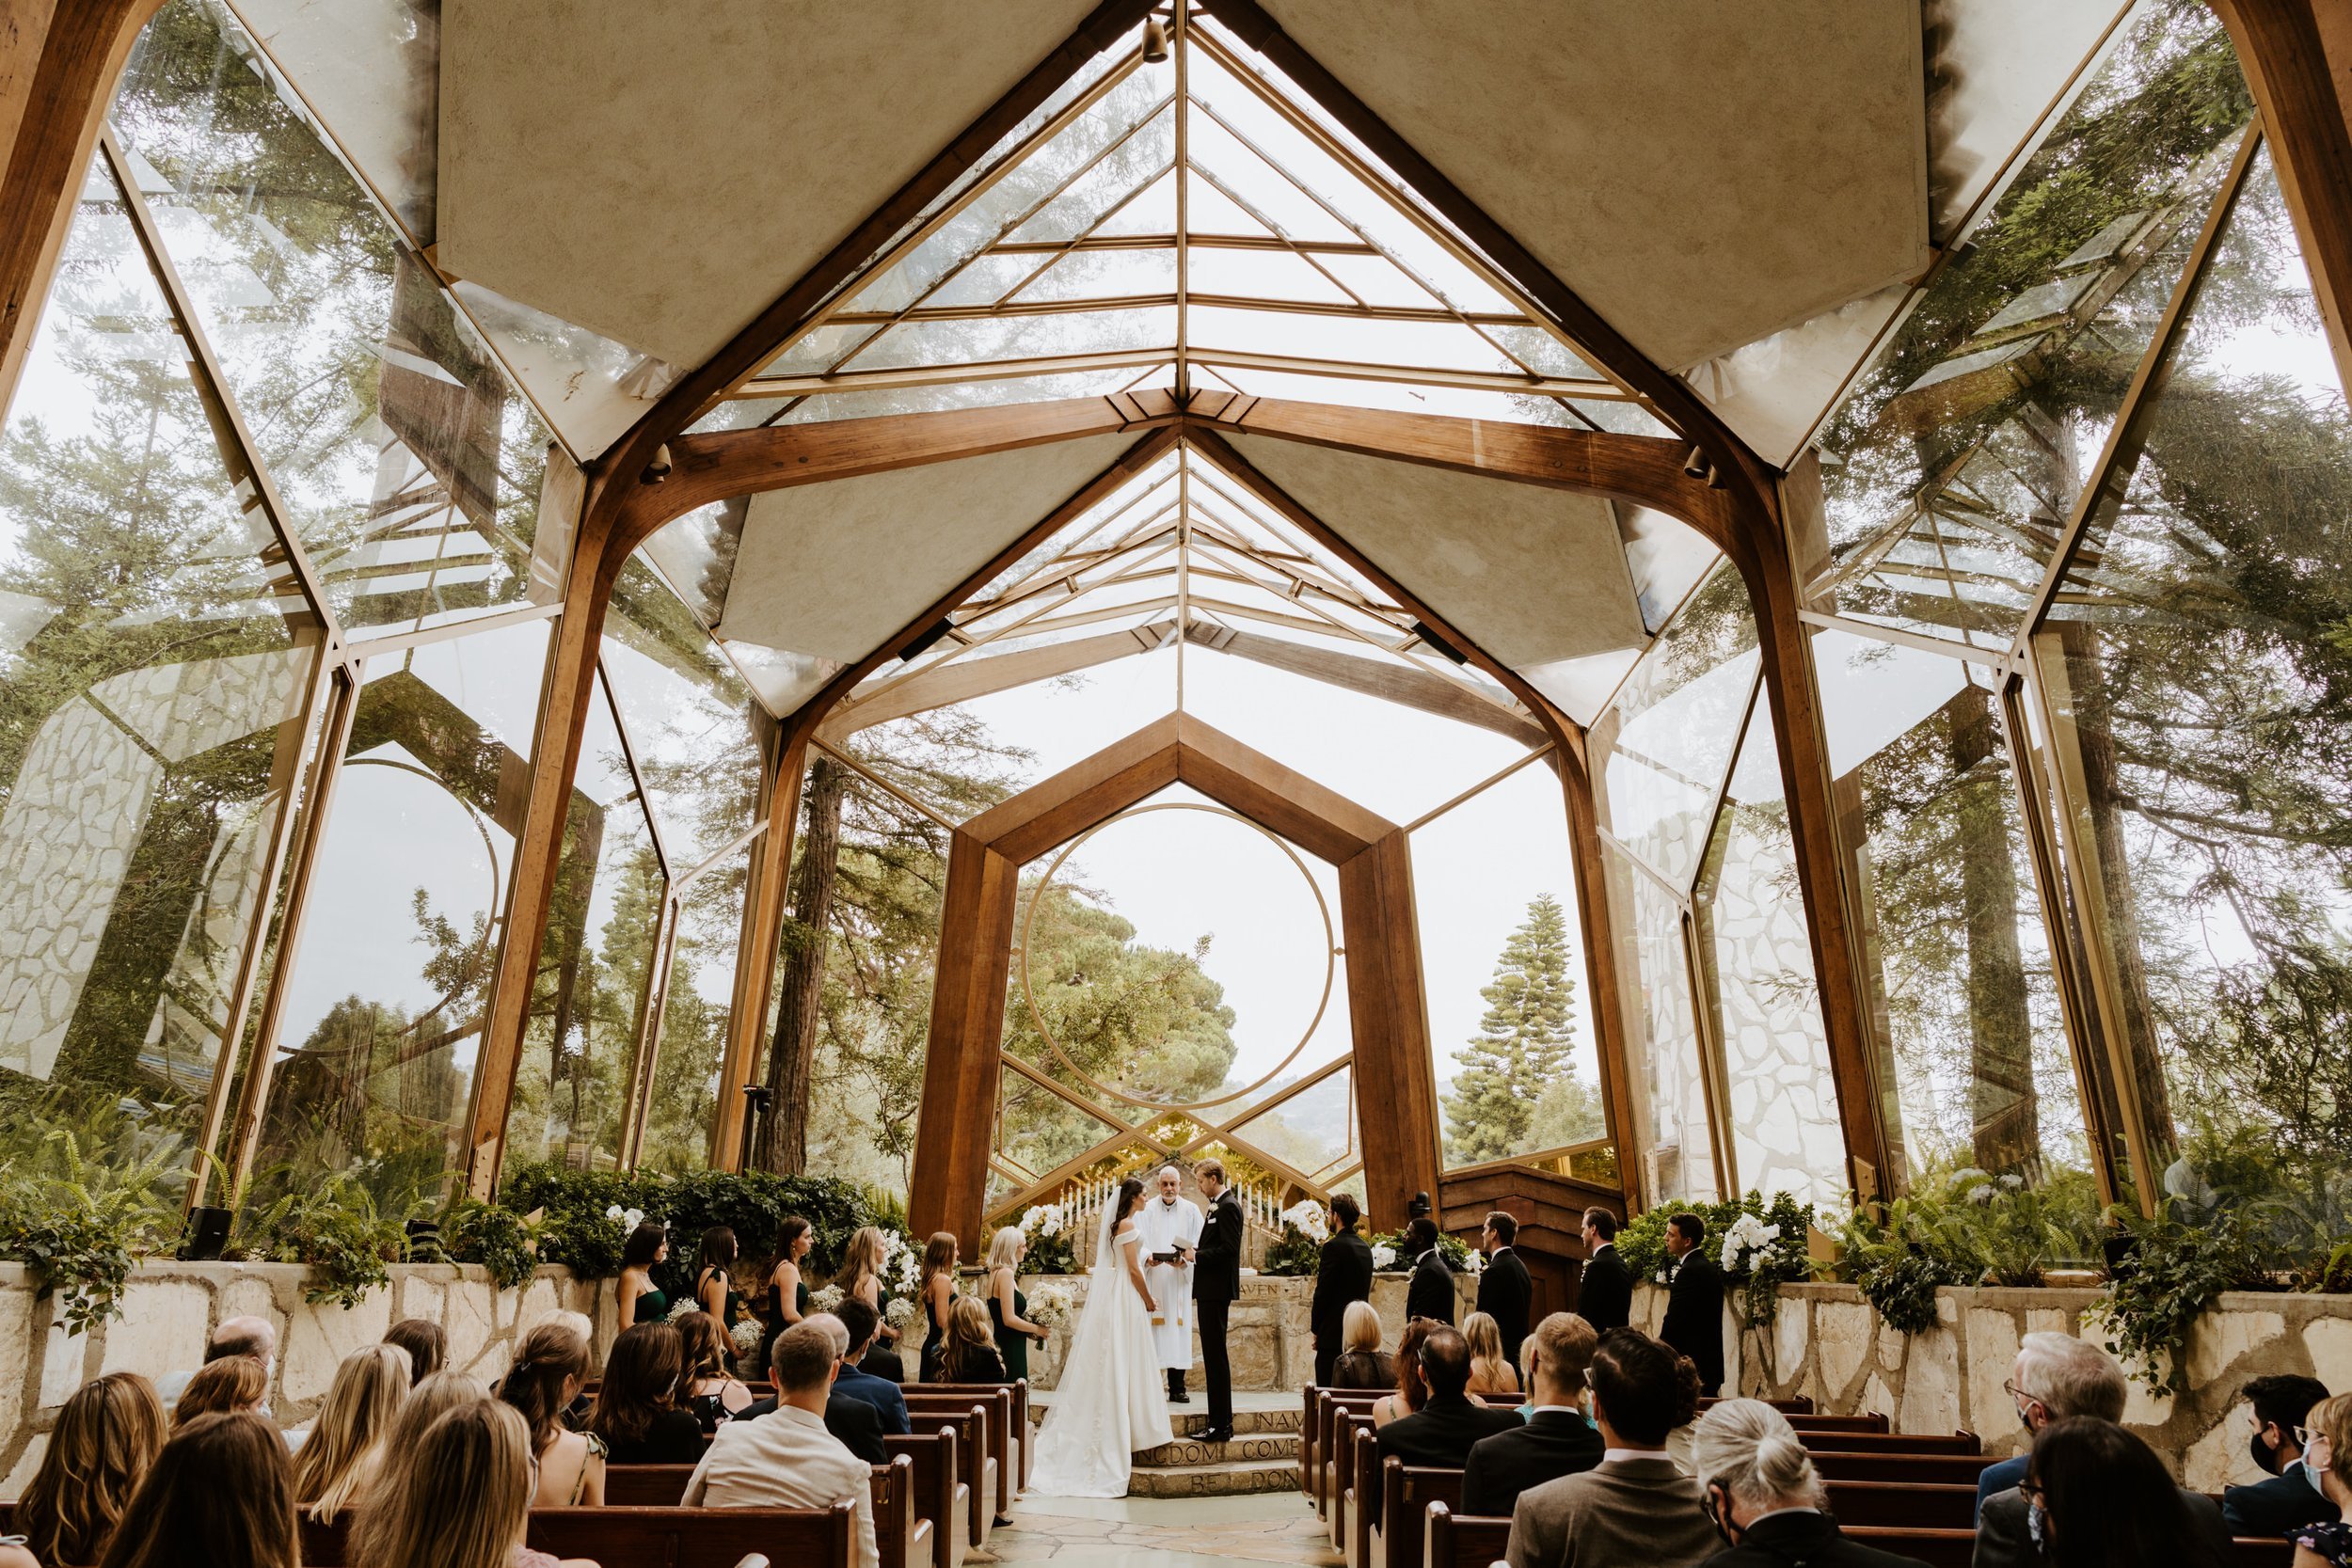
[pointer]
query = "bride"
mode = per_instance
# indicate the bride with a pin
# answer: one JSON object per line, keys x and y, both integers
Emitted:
{"x": 1109, "y": 1402}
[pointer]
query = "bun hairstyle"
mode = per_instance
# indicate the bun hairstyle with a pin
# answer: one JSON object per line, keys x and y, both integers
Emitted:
{"x": 548, "y": 1358}
{"x": 1749, "y": 1448}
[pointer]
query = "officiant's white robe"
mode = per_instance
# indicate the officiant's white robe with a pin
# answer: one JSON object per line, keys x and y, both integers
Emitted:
{"x": 1166, "y": 1226}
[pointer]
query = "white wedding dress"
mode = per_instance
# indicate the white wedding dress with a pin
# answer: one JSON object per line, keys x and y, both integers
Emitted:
{"x": 1111, "y": 1398}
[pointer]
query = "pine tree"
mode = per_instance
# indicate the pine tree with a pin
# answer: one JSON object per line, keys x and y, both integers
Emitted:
{"x": 1522, "y": 1043}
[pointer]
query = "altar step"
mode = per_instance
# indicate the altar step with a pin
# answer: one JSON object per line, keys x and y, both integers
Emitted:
{"x": 1263, "y": 1455}
{"x": 1234, "y": 1479}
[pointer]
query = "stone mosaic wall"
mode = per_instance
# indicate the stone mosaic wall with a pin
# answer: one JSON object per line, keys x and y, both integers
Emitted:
{"x": 1830, "y": 1346}
{"x": 171, "y": 1308}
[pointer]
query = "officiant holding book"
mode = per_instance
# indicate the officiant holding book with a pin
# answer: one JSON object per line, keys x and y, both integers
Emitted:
{"x": 1171, "y": 1226}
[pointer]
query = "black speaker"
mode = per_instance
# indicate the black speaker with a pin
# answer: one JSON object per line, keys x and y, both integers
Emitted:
{"x": 207, "y": 1235}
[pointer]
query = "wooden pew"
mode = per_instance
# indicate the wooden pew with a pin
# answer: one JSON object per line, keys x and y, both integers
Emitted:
{"x": 1892, "y": 1442}
{"x": 903, "y": 1538}
{"x": 938, "y": 1499}
{"x": 1345, "y": 1428}
{"x": 1013, "y": 1441}
{"x": 1407, "y": 1493}
{"x": 1452, "y": 1540}
{"x": 1003, "y": 1409}
{"x": 1918, "y": 1469}
{"x": 975, "y": 1465}
{"x": 1894, "y": 1503}
{"x": 680, "y": 1537}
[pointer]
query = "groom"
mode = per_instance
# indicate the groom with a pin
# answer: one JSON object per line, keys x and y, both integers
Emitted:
{"x": 1216, "y": 1281}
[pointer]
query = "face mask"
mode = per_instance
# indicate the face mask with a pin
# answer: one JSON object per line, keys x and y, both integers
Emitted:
{"x": 2037, "y": 1527}
{"x": 2265, "y": 1455}
{"x": 2312, "y": 1474}
{"x": 1714, "y": 1518}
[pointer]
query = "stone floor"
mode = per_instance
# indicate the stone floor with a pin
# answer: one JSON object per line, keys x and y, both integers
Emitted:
{"x": 1151, "y": 1532}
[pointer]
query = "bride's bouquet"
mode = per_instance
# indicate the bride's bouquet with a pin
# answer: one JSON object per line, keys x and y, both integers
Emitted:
{"x": 1051, "y": 1307}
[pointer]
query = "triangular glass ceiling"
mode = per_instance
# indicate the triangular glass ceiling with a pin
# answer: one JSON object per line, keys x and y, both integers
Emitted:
{"x": 1185, "y": 222}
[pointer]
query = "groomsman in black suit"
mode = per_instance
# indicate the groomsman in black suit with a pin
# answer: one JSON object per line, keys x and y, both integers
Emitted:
{"x": 1430, "y": 1293}
{"x": 1695, "y": 1300}
{"x": 1216, "y": 1282}
{"x": 1506, "y": 1291}
{"x": 1343, "y": 1275}
{"x": 1604, "y": 1298}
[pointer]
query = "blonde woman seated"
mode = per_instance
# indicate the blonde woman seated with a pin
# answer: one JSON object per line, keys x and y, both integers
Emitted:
{"x": 348, "y": 1438}
{"x": 969, "y": 1355}
{"x": 1361, "y": 1363}
{"x": 1491, "y": 1371}
{"x": 460, "y": 1498}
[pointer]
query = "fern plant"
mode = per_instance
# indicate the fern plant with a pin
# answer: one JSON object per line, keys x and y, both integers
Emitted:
{"x": 334, "y": 1227}
{"x": 78, "y": 1223}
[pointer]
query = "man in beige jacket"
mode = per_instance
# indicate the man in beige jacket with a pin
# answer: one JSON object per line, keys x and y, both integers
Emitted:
{"x": 1635, "y": 1506}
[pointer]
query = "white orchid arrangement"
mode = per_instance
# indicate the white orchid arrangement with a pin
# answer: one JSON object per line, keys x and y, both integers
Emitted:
{"x": 1744, "y": 1242}
{"x": 1051, "y": 1306}
{"x": 1382, "y": 1256}
{"x": 1046, "y": 1220}
{"x": 627, "y": 1219}
{"x": 1306, "y": 1216}
{"x": 901, "y": 1270}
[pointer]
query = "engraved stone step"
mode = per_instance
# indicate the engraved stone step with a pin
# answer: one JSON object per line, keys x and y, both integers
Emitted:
{"x": 1215, "y": 1481}
{"x": 1243, "y": 1447}
{"x": 1191, "y": 1420}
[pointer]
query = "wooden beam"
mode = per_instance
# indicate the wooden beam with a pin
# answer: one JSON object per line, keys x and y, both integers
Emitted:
{"x": 1598, "y": 928}
{"x": 1056, "y": 810}
{"x": 962, "y": 1069}
{"x": 755, "y": 964}
{"x": 1393, "y": 683}
{"x": 1387, "y": 1009}
{"x": 1646, "y": 471}
{"x": 972, "y": 678}
{"x": 2284, "y": 48}
{"x": 721, "y": 464}
{"x": 59, "y": 60}
{"x": 1319, "y": 820}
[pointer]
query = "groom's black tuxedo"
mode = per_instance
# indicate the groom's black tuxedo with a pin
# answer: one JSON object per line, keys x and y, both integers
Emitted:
{"x": 1216, "y": 1281}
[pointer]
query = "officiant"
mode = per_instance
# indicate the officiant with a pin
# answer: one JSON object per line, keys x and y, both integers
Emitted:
{"x": 1170, "y": 1225}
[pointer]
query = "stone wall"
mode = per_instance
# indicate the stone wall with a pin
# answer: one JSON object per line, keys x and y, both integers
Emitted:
{"x": 1830, "y": 1346}
{"x": 1267, "y": 1336}
{"x": 170, "y": 1308}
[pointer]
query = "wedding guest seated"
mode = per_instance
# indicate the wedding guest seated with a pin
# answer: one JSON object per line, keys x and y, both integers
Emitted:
{"x": 1633, "y": 1506}
{"x": 426, "y": 1345}
{"x": 348, "y": 1436}
{"x": 220, "y": 1496}
{"x": 1442, "y": 1431}
{"x": 551, "y": 1363}
{"x": 1491, "y": 1371}
{"x": 787, "y": 1458}
{"x": 1764, "y": 1496}
{"x": 969, "y": 1354}
{"x": 1361, "y": 1363}
{"x": 256, "y": 1337}
{"x": 637, "y": 1414}
{"x": 2095, "y": 1497}
{"x": 580, "y": 1324}
{"x": 225, "y": 1387}
{"x": 713, "y": 1393}
{"x": 2055, "y": 1375}
{"x": 2328, "y": 1454}
{"x": 431, "y": 1400}
{"x": 855, "y": 1381}
{"x": 1412, "y": 1391}
{"x": 853, "y": 1422}
{"x": 2283, "y": 1407}
{"x": 461, "y": 1499}
{"x": 1556, "y": 1440}
{"x": 108, "y": 1436}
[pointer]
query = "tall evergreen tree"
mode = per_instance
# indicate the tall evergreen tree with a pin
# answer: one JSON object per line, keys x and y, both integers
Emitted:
{"x": 1522, "y": 1043}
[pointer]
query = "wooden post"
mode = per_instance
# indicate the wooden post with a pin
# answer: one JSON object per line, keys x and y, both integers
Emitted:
{"x": 962, "y": 1069}
{"x": 1388, "y": 1008}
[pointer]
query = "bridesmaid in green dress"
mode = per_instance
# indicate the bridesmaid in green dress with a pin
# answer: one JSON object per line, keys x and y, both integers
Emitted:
{"x": 639, "y": 1299}
{"x": 1006, "y": 1306}
{"x": 714, "y": 1277}
{"x": 787, "y": 1292}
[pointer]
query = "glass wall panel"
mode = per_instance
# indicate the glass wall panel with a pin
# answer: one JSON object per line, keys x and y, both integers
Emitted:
{"x": 1503, "y": 964}
{"x": 151, "y": 684}
{"x": 1950, "y": 469}
{"x": 381, "y": 1023}
{"x": 1756, "y": 960}
{"x": 1664, "y": 743}
{"x": 688, "y": 717}
{"x": 1313, "y": 1132}
{"x": 587, "y": 1011}
{"x": 411, "y": 467}
{"x": 683, "y": 1104}
{"x": 1674, "y": 1149}
{"x": 1965, "y": 1010}
{"x": 2195, "y": 666}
